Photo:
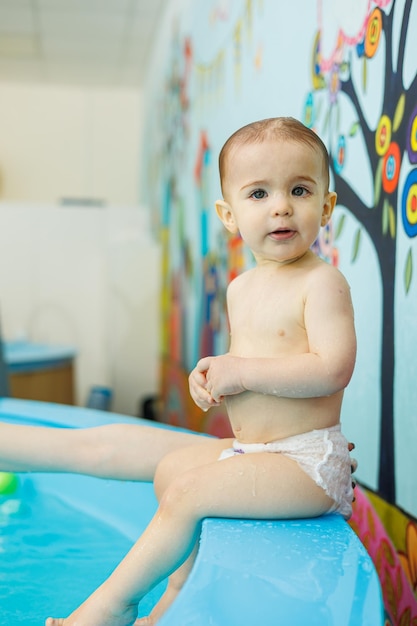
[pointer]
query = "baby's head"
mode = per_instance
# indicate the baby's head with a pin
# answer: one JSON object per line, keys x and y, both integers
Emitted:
{"x": 279, "y": 128}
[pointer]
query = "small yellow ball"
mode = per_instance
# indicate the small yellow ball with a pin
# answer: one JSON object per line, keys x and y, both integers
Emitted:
{"x": 8, "y": 483}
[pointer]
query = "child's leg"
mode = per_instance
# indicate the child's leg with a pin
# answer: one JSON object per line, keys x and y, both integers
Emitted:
{"x": 260, "y": 486}
{"x": 122, "y": 451}
{"x": 175, "y": 583}
{"x": 172, "y": 466}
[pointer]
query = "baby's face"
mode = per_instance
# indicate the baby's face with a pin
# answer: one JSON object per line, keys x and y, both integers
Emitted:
{"x": 277, "y": 195}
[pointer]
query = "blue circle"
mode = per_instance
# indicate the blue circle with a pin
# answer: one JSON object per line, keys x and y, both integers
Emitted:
{"x": 390, "y": 167}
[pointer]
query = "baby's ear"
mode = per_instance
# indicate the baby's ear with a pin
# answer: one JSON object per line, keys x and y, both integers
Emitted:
{"x": 328, "y": 206}
{"x": 226, "y": 216}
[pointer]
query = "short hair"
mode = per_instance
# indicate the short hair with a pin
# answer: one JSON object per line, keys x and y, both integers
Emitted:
{"x": 287, "y": 128}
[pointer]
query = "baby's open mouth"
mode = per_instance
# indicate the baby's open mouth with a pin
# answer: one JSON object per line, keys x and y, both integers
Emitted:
{"x": 282, "y": 233}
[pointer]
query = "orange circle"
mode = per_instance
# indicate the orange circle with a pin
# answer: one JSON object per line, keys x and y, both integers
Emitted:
{"x": 373, "y": 33}
{"x": 391, "y": 168}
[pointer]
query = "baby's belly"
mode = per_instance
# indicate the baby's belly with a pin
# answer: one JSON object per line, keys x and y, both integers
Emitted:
{"x": 262, "y": 418}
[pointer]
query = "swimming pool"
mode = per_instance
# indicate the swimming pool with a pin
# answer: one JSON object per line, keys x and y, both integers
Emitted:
{"x": 60, "y": 536}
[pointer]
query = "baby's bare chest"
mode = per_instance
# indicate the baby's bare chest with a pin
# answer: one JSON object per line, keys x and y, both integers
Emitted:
{"x": 268, "y": 317}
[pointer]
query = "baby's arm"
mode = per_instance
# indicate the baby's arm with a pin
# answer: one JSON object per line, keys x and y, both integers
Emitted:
{"x": 322, "y": 371}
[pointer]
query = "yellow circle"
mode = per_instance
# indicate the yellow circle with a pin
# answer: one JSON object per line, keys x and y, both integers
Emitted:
{"x": 412, "y": 204}
{"x": 413, "y": 135}
{"x": 383, "y": 135}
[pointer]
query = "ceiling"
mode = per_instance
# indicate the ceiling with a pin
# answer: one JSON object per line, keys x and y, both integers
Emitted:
{"x": 78, "y": 42}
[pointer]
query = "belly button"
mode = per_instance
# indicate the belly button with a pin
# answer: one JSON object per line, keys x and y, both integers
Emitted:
{"x": 281, "y": 332}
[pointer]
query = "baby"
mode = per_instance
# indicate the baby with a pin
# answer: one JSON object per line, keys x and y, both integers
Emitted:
{"x": 292, "y": 353}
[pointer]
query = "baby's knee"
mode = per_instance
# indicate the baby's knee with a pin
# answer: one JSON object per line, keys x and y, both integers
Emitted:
{"x": 164, "y": 475}
{"x": 181, "y": 495}
{"x": 169, "y": 469}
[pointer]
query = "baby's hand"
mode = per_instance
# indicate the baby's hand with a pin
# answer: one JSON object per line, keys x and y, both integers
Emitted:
{"x": 222, "y": 376}
{"x": 198, "y": 389}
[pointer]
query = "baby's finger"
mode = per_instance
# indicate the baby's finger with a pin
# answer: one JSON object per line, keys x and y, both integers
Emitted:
{"x": 198, "y": 377}
{"x": 203, "y": 364}
{"x": 206, "y": 402}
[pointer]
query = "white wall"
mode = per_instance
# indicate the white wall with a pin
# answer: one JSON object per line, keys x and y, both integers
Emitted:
{"x": 87, "y": 278}
{"x": 83, "y": 276}
{"x": 68, "y": 141}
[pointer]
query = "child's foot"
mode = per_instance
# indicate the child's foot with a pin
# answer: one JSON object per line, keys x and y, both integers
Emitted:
{"x": 97, "y": 611}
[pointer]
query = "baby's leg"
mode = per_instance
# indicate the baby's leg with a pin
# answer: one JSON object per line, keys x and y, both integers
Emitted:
{"x": 252, "y": 486}
{"x": 122, "y": 451}
{"x": 175, "y": 584}
{"x": 168, "y": 470}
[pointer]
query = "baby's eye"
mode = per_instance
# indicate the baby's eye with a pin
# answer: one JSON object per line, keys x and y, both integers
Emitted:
{"x": 299, "y": 191}
{"x": 258, "y": 194}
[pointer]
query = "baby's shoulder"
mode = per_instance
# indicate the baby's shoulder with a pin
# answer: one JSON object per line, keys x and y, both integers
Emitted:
{"x": 241, "y": 279}
{"x": 327, "y": 287}
{"x": 322, "y": 273}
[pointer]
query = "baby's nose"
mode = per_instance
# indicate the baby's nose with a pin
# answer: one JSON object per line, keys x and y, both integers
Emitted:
{"x": 281, "y": 206}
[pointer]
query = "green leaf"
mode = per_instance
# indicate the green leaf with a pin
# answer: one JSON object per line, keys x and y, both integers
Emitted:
{"x": 378, "y": 183}
{"x": 392, "y": 221}
{"x": 408, "y": 274}
{"x": 399, "y": 113}
{"x": 354, "y": 129}
{"x": 385, "y": 216}
{"x": 364, "y": 73}
{"x": 356, "y": 245}
{"x": 339, "y": 227}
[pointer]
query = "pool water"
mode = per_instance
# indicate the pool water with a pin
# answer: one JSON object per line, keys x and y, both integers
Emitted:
{"x": 52, "y": 556}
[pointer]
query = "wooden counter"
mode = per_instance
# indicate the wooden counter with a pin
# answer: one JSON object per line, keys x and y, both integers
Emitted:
{"x": 40, "y": 372}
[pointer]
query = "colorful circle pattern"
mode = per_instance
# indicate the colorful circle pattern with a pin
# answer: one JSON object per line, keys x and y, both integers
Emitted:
{"x": 373, "y": 33}
{"x": 412, "y": 137}
{"x": 340, "y": 156}
{"x": 409, "y": 204}
{"x": 383, "y": 135}
{"x": 391, "y": 168}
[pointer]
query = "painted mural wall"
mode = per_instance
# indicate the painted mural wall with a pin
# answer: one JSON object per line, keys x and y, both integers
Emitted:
{"x": 348, "y": 70}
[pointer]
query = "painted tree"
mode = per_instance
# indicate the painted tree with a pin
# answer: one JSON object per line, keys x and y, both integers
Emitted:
{"x": 390, "y": 147}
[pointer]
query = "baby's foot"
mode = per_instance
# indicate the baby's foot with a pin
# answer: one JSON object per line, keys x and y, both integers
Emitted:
{"x": 103, "y": 619}
{"x": 97, "y": 611}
